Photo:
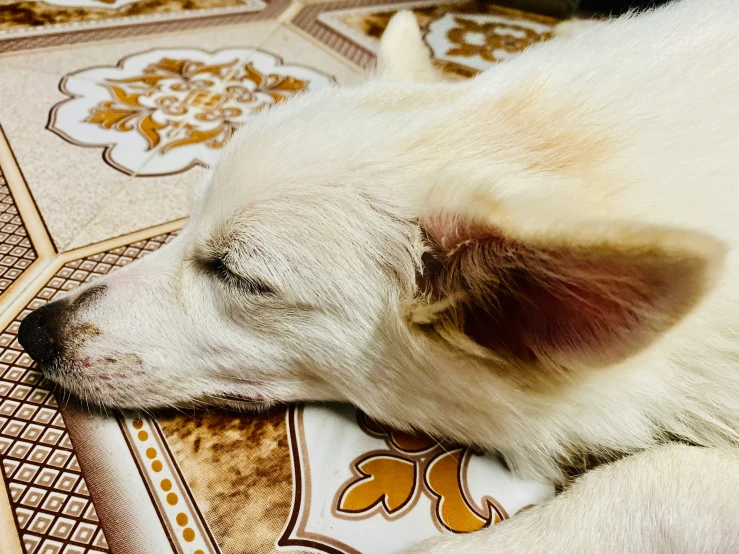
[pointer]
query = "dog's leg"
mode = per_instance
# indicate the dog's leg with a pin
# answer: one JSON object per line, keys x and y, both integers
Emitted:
{"x": 670, "y": 499}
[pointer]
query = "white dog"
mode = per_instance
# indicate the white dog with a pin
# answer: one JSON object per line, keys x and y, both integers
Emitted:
{"x": 542, "y": 261}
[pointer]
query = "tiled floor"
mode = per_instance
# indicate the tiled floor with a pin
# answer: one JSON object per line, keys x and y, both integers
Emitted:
{"x": 111, "y": 112}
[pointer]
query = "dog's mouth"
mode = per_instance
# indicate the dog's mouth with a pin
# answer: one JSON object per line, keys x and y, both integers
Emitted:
{"x": 237, "y": 401}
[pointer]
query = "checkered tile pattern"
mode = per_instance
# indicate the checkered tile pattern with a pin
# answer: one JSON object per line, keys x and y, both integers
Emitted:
{"x": 48, "y": 494}
{"x": 16, "y": 250}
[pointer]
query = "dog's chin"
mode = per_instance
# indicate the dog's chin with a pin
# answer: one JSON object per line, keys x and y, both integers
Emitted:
{"x": 101, "y": 393}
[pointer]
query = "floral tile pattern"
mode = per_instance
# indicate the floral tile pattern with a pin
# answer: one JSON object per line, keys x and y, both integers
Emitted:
{"x": 173, "y": 109}
{"x": 478, "y": 41}
{"x": 464, "y": 37}
{"x": 383, "y": 490}
{"x": 149, "y": 181}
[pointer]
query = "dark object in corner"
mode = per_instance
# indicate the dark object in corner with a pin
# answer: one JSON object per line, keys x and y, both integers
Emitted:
{"x": 566, "y": 8}
{"x": 617, "y": 7}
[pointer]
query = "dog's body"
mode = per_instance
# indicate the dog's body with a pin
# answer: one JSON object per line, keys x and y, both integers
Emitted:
{"x": 543, "y": 261}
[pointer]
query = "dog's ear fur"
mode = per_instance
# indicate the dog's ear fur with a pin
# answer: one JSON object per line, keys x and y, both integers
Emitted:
{"x": 403, "y": 56}
{"x": 588, "y": 296}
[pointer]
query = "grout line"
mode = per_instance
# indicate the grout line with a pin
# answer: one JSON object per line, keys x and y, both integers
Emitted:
{"x": 35, "y": 283}
{"x": 8, "y": 525}
{"x": 119, "y": 241}
{"x": 31, "y": 287}
{"x": 22, "y": 282}
{"x": 27, "y": 208}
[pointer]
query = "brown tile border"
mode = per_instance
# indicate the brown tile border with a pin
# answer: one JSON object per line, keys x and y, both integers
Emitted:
{"x": 75, "y": 35}
{"x": 307, "y": 21}
{"x": 48, "y": 494}
{"x": 17, "y": 253}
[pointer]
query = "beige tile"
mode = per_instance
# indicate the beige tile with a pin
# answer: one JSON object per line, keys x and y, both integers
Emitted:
{"x": 9, "y": 541}
{"x": 87, "y": 192}
{"x": 293, "y": 47}
{"x": 70, "y": 184}
{"x": 146, "y": 202}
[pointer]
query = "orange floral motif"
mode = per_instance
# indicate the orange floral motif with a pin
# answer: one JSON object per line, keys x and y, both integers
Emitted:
{"x": 471, "y": 38}
{"x": 165, "y": 111}
{"x": 413, "y": 464}
{"x": 178, "y": 102}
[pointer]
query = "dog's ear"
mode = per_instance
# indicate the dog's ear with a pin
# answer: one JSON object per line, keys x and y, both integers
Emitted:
{"x": 582, "y": 297}
{"x": 403, "y": 56}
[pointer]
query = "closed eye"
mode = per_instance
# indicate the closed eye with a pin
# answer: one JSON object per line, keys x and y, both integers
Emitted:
{"x": 217, "y": 268}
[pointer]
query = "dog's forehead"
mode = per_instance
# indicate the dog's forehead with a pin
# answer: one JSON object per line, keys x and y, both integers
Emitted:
{"x": 298, "y": 150}
{"x": 303, "y": 168}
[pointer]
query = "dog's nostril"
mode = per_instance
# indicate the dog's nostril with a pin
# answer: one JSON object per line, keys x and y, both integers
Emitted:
{"x": 37, "y": 338}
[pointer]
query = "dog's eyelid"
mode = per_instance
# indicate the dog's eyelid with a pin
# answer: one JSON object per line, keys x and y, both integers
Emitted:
{"x": 217, "y": 267}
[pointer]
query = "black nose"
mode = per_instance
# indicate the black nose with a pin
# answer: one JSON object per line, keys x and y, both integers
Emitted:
{"x": 38, "y": 333}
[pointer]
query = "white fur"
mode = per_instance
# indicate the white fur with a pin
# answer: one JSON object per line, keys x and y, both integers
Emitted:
{"x": 321, "y": 198}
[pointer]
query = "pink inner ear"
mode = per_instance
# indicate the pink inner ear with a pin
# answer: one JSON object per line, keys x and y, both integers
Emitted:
{"x": 567, "y": 304}
{"x": 591, "y": 315}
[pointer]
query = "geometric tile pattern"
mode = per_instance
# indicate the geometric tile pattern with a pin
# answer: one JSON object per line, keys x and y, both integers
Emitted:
{"x": 16, "y": 250}
{"x": 52, "y": 506}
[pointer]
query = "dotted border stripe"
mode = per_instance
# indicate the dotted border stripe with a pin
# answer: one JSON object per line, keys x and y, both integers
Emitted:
{"x": 170, "y": 492}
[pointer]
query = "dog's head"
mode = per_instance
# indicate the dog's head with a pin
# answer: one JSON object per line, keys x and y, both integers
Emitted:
{"x": 336, "y": 253}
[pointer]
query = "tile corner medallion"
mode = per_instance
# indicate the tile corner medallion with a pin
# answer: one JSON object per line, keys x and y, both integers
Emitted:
{"x": 168, "y": 110}
{"x": 464, "y": 37}
{"x": 16, "y": 250}
{"x": 362, "y": 487}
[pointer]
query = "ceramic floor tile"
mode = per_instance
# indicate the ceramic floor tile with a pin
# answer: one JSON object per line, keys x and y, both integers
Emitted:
{"x": 101, "y": 118}
{"x": 210, "y": 113}
{"x": 69, "y": 184}
{"x": 147, "y": 202}
{"x": 43, "y": 478}
{"x": 111, "y": 138}
{"x": 463, "y": 37}
{"x": 28, "y": 25}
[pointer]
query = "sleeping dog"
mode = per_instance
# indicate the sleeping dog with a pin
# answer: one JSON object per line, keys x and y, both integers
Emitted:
{"x": 541, "y": 261}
